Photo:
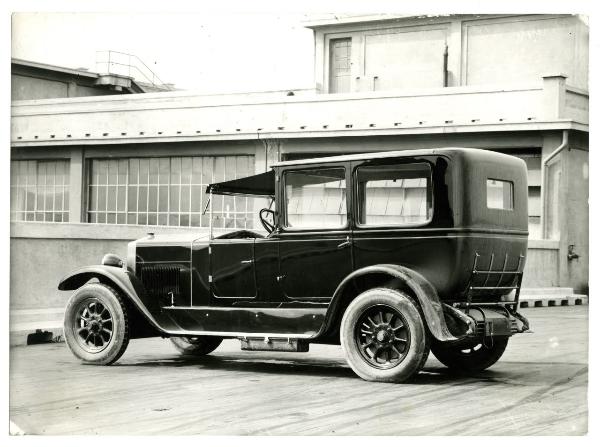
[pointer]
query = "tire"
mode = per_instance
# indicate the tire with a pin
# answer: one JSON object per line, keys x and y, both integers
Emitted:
{"x": 197, "y": 346}
{"x": 96, "y": 326}
{"x": 371, "y": 333}
{"x": 470, "y": 360}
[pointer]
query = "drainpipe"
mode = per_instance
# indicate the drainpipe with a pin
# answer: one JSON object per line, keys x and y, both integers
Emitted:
{"x": 545, "y": 161}
{"x": 210, "y": 216}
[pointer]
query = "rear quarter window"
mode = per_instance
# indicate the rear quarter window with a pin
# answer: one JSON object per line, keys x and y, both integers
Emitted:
{"x": 500, "y": 194}
{"x": 393, "y": 195}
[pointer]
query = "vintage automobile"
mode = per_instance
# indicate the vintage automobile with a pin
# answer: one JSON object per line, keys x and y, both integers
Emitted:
{"x": 389, "y": 254}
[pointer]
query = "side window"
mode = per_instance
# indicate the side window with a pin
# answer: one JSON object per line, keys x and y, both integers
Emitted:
{"x": 394, "y": 194}
{"x": 500, "y": 194}
{"x": 315, "y": 198}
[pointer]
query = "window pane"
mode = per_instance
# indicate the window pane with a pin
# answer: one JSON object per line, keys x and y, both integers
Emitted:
{"x": 132, "y": 193}
{"x": 121, "y": 198}
{"x": 122, "y": 178}
{"x": 113, "y": 170}
{"x": 163, "y": 198}
{"x": 197, "y": 198}
{"x": 144, "y": 171}
{"x": 185, "y": 220}
{"x": 134, "y": 169}
{"x": 175, "y": 170}
{"x": 31, "y": 172}
{"x": 111, "y": 194}
{"x": 153, "y": 199}
{"x": 36, "y": 185}
{"x": 58, "y": 198}
{"x": 219, "y": 171}
{"x": 142, "y": 199}
{"x": 101, "y": 198}
{"x": 154, "y": 167}
{"x": 50, "y": 173}
{"x": 316, "y": 198}
{"x": 185, "y": 198}
{"x": 49, "y": 198}
{"x": 186, "y": 170}
{"x": 161, "y": 191}
{"x": 207, "y": 170}
{"x": 174, "y": 198}
{"x": 163, "y": 171}
{"x": 197, "y": 171}
{"x": 66, "y": 199}
{"x": 394, "y": 195}
{"x": 499, "y": 194}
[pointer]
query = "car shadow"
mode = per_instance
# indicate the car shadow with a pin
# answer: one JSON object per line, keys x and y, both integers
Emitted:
{"x": 250, "y": 365}
{"x": 305, "y": 367}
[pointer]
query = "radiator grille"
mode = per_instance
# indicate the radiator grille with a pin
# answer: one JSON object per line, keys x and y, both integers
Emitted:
{"x": 161, "y": 281}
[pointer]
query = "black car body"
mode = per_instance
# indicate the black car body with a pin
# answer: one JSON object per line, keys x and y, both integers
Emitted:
{"x": 446, "y": 255}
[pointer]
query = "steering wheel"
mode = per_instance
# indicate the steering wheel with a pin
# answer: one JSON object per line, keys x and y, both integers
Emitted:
{"x": 267, "y": 226}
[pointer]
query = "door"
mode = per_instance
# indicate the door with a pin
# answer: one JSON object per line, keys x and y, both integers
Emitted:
{"x": 232, "y": 269}
{"x": 315, "y": 246}
{"x": 340, "y": 65}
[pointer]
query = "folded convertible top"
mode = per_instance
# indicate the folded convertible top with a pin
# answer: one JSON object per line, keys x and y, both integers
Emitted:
{"x": 255, "y": 185}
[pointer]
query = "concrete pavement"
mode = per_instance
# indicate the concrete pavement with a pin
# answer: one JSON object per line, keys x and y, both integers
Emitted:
{"x": 538, "y": 387}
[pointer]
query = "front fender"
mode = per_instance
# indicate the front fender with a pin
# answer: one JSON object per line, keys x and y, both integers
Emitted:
{"x": 423, "y": 291}
{"x": 123, "y": 279}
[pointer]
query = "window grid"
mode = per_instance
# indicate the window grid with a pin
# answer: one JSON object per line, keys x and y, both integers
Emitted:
{"x": 167, "y": 191}
{"x": 39, "y": 190}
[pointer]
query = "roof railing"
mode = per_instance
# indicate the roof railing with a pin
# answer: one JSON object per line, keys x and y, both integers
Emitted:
{"x": 125, "y": 64}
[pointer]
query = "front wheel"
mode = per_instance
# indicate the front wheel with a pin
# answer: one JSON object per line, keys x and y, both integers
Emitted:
{"x": 96, "y": 326}
{"x": 197, "y": 346}
{"x": 471, "y": 359}
{"x": 383, "y": 336}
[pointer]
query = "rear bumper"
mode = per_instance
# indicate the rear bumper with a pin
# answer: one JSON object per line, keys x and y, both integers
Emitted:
{"x": 476, "y": 322}
{"x": 496, "y": 321}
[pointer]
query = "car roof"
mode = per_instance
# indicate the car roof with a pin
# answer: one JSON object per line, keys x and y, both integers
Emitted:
{"x": 386, "y": 154}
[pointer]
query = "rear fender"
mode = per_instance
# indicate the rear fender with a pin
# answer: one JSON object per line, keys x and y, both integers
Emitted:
{"x": 126, "y": 281}
{"x": 421, "y": 288}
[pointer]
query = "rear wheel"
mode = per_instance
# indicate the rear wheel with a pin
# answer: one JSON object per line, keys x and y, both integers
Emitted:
{"x": 96, "y": 325}
{"x": 471, "y": 359}
{"x": 198, "y": 346}
{"x": 383, "y": 336}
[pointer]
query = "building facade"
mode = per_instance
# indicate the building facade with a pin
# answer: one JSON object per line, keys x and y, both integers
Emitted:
{"x": 88, "y": 174}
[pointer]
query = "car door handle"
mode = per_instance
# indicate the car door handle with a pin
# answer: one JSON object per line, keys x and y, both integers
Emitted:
{"x": 247, "y": 261}
{"x": 345, "y": 243}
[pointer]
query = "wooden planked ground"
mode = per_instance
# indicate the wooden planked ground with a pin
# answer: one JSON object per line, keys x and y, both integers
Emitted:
{"x": 539, "y": 387}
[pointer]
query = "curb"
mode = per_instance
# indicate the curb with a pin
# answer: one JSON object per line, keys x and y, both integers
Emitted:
{"x": 552, "y": 301}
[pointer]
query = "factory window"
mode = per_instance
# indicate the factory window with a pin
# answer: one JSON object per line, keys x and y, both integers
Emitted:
{"x": 39, "y": 190}
{"x": 167, "y": 191}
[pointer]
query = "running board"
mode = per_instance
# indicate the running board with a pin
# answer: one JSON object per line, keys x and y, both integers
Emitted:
{"x": 274, "y": 344}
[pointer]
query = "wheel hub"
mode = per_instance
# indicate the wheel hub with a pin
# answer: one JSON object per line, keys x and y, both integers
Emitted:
{"x": 94, "y": 326}
{"x": 383, "y": 337}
